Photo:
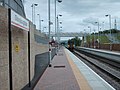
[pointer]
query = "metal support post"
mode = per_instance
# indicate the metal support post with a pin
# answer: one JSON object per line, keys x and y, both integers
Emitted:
{"x": 10, "y": 49}
{"x": 55, "y": 19}
{"x": 49, "y": 23}
{"x": 29, "y": 58}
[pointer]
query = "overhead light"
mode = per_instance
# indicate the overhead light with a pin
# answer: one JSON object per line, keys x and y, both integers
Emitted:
{"x": 106, "y": 15}
{"x": 60, "y": 22}
{"x": 59, "y": 1}
{"x": 35, "y": 4}
{"x": 60, "y": 15}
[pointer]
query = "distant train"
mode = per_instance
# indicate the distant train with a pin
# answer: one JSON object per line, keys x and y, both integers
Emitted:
{"x": 70, "y": 45}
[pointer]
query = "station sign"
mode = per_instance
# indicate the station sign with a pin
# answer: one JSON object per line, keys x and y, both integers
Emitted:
{"x": 19, "y": 21}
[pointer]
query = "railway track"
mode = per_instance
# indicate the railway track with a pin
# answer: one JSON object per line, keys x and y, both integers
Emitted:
{"x": 107, "y": 69}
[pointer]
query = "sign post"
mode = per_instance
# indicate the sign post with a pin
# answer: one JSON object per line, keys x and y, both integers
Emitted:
{"x": 10, "y": 49}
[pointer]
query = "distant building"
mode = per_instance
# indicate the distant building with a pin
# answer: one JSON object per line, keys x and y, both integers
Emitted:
{"x": 16, "y": 5}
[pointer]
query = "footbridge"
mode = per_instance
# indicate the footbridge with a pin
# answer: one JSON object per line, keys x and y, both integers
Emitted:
{"x": 69, "y": 34}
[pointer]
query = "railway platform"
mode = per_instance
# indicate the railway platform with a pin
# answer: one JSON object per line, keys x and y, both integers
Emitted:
{"x": 69, "y": 73}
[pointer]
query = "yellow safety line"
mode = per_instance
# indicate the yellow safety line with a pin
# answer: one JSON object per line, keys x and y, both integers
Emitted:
{"x": 82, "y": 82}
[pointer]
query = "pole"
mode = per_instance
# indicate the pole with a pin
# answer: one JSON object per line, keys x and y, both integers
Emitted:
{"x": 39, "y": 22}
{"x": 10, "y": 49}
{"x": 43, "y": 29}
{"x": 32, "y": 13}
{"x": 115, "y": 24}
{"x": 41, "y": 25}
{"x": 49, "y": 32}
{"x": 84, "y": 37}
{"x": 103, "y": 26}
{"x": 110, "y": 31}
{"x": 98, "y": 33}
{"x": 57, "y": 29}
{"x": 90, "y": 36}
{"x": 55, "y": 19}
{"x": 98, "y": 36}
{"x": 94, "y": 38}
{"x": 29, "y": 58}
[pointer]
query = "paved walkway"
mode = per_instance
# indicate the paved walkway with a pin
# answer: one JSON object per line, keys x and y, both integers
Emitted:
{"x": 58, "y": 77}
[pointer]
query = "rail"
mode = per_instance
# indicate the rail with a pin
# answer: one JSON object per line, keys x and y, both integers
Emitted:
{"x": 114, "y": 56}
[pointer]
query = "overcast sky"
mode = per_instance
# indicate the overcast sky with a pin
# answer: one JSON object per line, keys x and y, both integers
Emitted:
{"x": 77, "y": 15}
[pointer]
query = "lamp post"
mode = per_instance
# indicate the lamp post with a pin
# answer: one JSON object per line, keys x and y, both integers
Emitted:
{"x": 55, "y": 15}
{"x": 103, "y": 26}
{"x": 49, "y": 23}
{"x": 90, "y": 35}
{"x": 98, "y": 34}
{"x": 110, "y": 29}
{"x": 115, "y": 24}
{"x": 39, "y": 22}
{"x": 43, "y": 29}
{"x": 33, "y": 12}
{"x": 55, "y": 20}
{"x": 60, "y": 29}
{"x": 84, "y": 37}
{"x": 94, "y": 38}
{"x": 58, "y": 26}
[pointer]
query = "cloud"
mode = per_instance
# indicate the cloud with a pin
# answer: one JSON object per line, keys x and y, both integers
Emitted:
{"x": 77, "y": 14}
{"x": 90, "y": 20}
{"x": 89, "y": 7}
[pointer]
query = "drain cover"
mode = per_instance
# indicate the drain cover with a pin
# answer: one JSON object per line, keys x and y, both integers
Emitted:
{"x": 60, "y": 54}
{"x": 59, "y": 66}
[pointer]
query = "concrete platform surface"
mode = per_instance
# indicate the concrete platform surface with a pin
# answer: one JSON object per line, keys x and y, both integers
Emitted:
{"x": 58, "y": 77}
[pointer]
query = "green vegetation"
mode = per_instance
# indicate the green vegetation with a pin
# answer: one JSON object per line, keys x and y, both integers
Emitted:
{"x": 108, "y": 31}
{"x": 118, "y": 36}
{"x": 103, "y": 38}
